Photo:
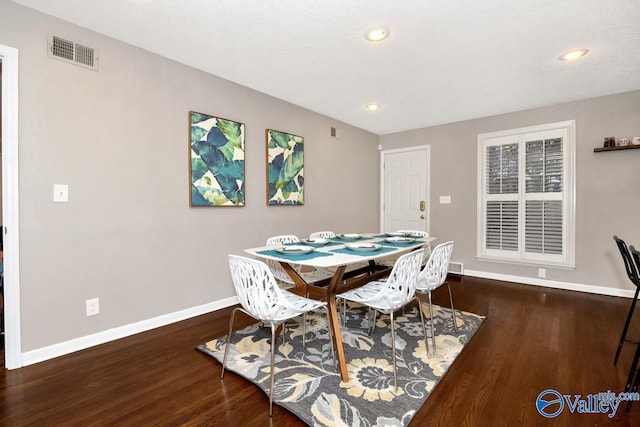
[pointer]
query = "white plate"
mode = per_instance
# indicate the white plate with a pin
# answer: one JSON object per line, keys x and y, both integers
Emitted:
{"x": 399, "y": 239}
{"x": 295, "y": 249}
{"x": 317, "y": 241}
{"x": 363, "y": 246}
{"x": 351, "y": 236}
{"x": 398, "y": 234}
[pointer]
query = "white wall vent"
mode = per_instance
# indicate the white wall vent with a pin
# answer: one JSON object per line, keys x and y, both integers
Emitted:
{"x": 72, "y": 52}
{"x": 456, "y": 268}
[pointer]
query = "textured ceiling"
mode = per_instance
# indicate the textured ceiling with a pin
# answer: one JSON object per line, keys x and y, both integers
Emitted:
{"x": 445, "y": 61}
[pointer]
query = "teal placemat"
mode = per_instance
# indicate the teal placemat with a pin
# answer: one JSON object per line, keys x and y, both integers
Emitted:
{"x": 367, "y": 254}
{"x": 401, "y": 244}
{"x": 293, "y": 257}
{"x": 305, "y": 243}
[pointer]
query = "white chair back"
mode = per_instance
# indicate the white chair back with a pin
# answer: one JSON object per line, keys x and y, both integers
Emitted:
{"x": 275, "y": 267}
{"x": 401, "y": 284}
{"x": 435, "y": 272}
{"x": 281, "y": 240}
{"x": 256, "y": 288}
{"x": 414, "y": 233}
{"x": 420, "y": 233}
{"x": 322, "y": 235}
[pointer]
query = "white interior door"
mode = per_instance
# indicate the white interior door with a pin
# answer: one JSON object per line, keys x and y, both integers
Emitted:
{"x": 405, "y": 189}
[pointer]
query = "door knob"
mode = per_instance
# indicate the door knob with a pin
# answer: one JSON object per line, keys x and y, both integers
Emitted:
{"x": 422, "y": 206}
{"x": 421, "y": 216}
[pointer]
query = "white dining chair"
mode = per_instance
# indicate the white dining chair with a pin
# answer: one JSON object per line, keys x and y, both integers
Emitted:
{"x": 434, "y": 275}
{"x": 261, "y": 298}
{"x": 330, "y": 235}
{"x": 392, "y": 294}
{"x": 322, "y": 235}
{"x": 413, "y": 233}
{"x": 419, "y": 233}
{"x": 309, "y": 276}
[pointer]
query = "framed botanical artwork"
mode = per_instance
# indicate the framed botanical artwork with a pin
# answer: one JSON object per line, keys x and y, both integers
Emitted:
{"x": 216, "y": 163}
{"x": 285, "y": 168}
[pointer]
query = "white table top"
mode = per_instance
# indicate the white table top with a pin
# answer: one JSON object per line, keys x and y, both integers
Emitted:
{"x": 338, "y": 259}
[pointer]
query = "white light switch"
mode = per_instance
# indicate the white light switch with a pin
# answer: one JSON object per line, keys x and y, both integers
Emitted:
{"x": 445, "y": 200}
{"x": 60, "y": 193}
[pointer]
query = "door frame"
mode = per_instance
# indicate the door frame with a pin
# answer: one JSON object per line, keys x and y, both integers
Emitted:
{"x": 383, "y": 153}
{"x": 10, "y": 207}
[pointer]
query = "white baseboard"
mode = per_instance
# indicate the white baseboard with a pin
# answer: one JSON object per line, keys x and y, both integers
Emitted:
{"x": 71, "y": 346}
{"x": 601, "y": 290}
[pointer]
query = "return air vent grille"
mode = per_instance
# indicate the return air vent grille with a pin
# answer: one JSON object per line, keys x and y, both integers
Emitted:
{"x": 456, "y": 268}
{"x": 72, "y": 52}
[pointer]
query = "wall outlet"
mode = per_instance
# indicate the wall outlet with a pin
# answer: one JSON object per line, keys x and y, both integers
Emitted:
{"x": 542, "y": 273}
{"x": 93, "y": 307}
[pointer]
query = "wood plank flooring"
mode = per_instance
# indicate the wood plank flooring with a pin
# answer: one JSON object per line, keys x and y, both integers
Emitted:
{"x": 533, "y": 339}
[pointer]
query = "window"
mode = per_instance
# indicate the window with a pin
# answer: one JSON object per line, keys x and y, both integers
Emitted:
{"x": 526, "y": 188}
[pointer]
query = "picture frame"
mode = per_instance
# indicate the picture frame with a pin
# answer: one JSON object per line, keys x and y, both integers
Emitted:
{"x": 285, "y": 168}
{"x": 216, "y": 161}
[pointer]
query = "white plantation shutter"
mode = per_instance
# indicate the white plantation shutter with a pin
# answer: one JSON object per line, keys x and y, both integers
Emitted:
{"x": 502, "y": 226}
{"x": 543, "y": 206}
{"x": 526, "y": 195}
{"x": 502, "y": 196}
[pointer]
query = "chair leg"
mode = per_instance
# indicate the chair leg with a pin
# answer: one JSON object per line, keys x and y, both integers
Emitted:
{"x": 304, "y": 330}
{"x": 344, "y": 312}
{"x": 273, "y": 352}
{"x": 393, "y": 349}
{"x": 433, "y": 327}
{"x": 424, "y": 327}
{"x": 633, "y": 369}
{"x": 453, "y": 311}
{"x": 284, "y": 332}
{"x": 333, "y": 350}
{"x": 626, "y": 325}
{"x": 372, "y": 328}
{"x": 226, "y": 346}
{"x": 633, "y": 390}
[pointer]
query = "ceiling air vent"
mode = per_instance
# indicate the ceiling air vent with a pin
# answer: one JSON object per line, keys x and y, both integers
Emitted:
{"x": 72, "y": 52}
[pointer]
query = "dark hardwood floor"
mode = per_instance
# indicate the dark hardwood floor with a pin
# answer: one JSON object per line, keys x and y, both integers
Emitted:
{"x": 533, "y": 339}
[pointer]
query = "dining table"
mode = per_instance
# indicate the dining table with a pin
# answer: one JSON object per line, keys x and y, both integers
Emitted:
{"x": 354, "y": 259}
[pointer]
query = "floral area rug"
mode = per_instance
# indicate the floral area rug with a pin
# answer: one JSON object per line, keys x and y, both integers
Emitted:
{"x": 308, "y": 384}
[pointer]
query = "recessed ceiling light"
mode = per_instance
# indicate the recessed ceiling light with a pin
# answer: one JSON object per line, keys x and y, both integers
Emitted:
{"x": 373, "y": 106}
{"x": 573, "y": 54}
{"x": 377, "y": 34}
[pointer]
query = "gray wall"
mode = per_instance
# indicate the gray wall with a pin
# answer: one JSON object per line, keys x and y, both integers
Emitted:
{"x": 607, "y": 195}
{"x": 119, "y": 138}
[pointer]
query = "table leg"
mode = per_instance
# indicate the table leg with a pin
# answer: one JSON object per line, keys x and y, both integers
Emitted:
{"x": 302, "y": 288}
{"x": 334, "y": 322}
{"x": 300, "y": 285}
